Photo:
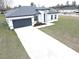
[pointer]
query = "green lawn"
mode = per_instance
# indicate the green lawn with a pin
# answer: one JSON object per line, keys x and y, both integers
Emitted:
{"x": 10, "y": 45}
{"x": 66, "y": 30}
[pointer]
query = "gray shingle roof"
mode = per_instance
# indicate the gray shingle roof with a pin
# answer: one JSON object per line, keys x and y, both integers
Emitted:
{"x": 43, "y": 8}
{"x": 27, "y": 11}
{"x": 51, "y": 11}
{"x": 22, "y": 11}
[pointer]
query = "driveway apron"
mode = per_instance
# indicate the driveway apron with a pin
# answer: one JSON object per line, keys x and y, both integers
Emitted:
{"x": 39, "y": 45}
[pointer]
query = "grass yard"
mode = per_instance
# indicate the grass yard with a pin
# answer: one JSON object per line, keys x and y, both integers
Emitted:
{"x": 10, "y": 46}
{"x": 66, "y": 30}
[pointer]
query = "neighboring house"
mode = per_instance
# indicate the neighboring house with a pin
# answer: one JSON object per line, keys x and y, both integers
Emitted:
{"x": 28, "y": 15}
{"x": 67, "y": 9}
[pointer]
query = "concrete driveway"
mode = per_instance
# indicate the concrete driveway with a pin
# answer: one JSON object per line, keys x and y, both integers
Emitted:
{"x": 41, "y": 46}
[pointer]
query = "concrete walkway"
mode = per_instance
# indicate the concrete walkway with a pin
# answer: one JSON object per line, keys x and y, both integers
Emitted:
{"x": 41, "y": 46}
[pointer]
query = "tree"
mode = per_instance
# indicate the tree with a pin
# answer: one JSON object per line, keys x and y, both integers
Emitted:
{"x": 4, "y": 5}
{"x": 8, "y": 8}
{"x": 61, "y": 6}
{"x": 58, "y": 5}
{"x": 74, "y": 3}
{"x": 19, "y": 6}
{"x": 78, "y": 7}
{"x": 67, "y": 3}
{"x": 1, "y": 4}
{"x": 32, "y": 4}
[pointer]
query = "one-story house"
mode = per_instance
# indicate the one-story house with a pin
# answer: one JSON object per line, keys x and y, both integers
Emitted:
{"x": 28, "y": 15}
{"x": 66, "y": 9}
{"x": 69, "y": 9}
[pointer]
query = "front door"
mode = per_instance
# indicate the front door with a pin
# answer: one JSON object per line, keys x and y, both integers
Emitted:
{"x": 44, "y": 17}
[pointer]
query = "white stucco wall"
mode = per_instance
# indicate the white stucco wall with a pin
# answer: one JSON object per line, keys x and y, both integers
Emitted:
{"x": 10, "y": 23}
{"x": 41, "y": 16}
{"x": 52, "y": 20}
{"x": 47, "y": 16}
{"x": 56, "y": 17}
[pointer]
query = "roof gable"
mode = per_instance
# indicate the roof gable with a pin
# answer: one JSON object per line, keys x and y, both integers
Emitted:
{"x": 52, "y": 11}
{"x": 42, "y": 8}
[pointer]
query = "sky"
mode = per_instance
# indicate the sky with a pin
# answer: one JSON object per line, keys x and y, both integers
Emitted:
{"x": 46, "y": 3}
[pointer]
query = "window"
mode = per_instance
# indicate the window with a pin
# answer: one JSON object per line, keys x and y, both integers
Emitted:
{"x": 55, "y": 16}
{"x": 35, "y": 18}
{"x": 51, "y": 17}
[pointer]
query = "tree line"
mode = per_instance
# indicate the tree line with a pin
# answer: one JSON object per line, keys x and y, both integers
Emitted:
{"x": 4, "y": 4}
{"x": 67, "y": 4}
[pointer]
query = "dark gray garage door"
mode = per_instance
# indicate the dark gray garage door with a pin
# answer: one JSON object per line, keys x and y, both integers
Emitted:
{"x": 22, "y": 23}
